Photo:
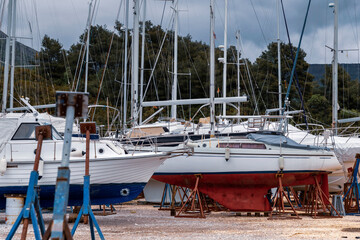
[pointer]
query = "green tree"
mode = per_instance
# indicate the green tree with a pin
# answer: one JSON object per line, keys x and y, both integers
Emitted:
{"x": 265, "y": 71}
{"x": 52, "y": 61}
{"x": 319, "y": 108}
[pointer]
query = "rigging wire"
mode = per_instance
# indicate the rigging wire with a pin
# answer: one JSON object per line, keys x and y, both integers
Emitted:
{"x": 2, "y": 12}
{"x": 83, "y": 46}
{"x": 258, "y": 21}
{"x": 106, "y": 61}
{"x": 297, "y": 54}
{"x": 193, "y": 66}
{"x": 293, "y": 58}
{"x": 256, "y": 111}
{"x": 157, "y": 58}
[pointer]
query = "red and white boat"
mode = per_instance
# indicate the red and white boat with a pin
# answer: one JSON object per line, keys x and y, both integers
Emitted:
{"x": 238, "y": 173}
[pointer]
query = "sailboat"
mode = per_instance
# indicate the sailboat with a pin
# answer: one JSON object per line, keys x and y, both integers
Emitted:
{"x": 238, "y": 171}
{"x": 116, "y": 175}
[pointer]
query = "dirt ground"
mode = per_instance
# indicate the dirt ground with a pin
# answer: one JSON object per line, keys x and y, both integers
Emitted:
{"x": 147, "y": 222}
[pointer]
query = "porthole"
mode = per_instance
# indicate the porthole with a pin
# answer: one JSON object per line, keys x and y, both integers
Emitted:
{"x": 101, "y": 150}
{"x": 204, "y": 145}
{"x": 125, "y": 192}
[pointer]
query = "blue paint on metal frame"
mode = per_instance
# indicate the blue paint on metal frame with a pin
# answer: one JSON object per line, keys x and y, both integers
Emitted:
{"x": 99, "y": 193}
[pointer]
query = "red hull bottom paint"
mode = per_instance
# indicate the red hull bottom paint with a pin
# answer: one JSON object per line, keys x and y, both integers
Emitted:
{"x": 242, "y": 192}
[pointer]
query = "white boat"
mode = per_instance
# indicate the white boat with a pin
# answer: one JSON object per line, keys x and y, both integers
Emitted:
{"x": 238, "y": 172}
{"x": 116, "y": 176}
{"x": 344, "y": 147}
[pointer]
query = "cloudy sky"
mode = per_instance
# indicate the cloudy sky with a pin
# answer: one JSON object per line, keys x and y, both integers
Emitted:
{"x": 65, "y": 20}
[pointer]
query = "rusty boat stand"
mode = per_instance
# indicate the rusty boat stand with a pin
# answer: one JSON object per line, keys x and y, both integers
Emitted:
{"x": 193, "y": 207}
{"x": 319, "y": 204}
{"x": 315, "y": 203}
{"x": 70, "y": 105}
{"x": 31, "y": 209}
{"x": 87, "y": 128}
{"x": 278, "y": 204}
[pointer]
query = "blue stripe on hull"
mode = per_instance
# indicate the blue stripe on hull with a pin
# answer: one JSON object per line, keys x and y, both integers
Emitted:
{"x": 99, "y": 193}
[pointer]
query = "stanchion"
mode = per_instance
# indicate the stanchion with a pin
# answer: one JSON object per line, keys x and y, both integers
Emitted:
{"x": 85, "y": 210}
{"x": 31, "y": 209}
{"x": 71, "y": 105}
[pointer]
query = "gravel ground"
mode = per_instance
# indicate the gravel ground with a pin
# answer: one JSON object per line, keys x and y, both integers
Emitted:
{"x": 146, "y": 222}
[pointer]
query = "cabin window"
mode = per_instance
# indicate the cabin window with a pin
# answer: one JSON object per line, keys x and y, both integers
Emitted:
{"x": 229, "y": 145}
{"x": 55, "y": 134}
{"x": 253, "y": 146}
{"x": 242, "y": 145}
{"x": 26, "y": 131}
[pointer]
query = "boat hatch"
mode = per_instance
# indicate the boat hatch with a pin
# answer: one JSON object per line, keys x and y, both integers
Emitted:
{"x": 242, "y": 145}
{"x": 26, "y": 131}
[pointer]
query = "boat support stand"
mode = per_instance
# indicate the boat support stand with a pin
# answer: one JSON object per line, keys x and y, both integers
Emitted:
{"x": 85, "y": 210}
{"x": 69, "y": 105}
{"x": 351, "y": 197}
{"x": 31, "y": 209}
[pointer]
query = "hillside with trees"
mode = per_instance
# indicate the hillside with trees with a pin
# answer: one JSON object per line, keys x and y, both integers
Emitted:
{"x": 62, "y": 69}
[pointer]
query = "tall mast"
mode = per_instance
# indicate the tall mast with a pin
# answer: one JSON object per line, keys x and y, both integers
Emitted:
{"x": 238, "y": 65}
{"x": 142, "y": 61}
{"x": 13, "y": 50}
{"x": 225, "y": 56}
{"x": 335, "y": 70}
{"x": 135, "y": 64}
{"x": 7, "y": 57}
{"x": 87, "y": 47}
{"x": 126, "y": 60}
{"x": 279, "y": 55}
{"x": 212, "y": 67}
{"x": 175, "y": 75}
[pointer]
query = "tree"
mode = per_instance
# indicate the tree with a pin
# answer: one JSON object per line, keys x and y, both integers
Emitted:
{"x": 265, "y": 71}
{"x": 319, "y": 108}
{"x": 52, "y": 61}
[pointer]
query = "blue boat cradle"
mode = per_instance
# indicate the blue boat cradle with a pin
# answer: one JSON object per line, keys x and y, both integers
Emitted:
{"x": 86, "y": 207}
{"x": 31, "y": 209}
{"x": 352, "y": 196}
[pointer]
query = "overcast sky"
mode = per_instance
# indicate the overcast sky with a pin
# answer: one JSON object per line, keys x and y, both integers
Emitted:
{"x": 65, "y": 20}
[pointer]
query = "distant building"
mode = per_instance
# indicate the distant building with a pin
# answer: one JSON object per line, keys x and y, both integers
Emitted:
{"x": 24, "y": 56}
{"x": 318, "y": 70}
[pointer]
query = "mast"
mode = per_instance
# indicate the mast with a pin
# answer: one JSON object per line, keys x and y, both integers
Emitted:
{"x": 212, "y": 67}
{"x": 13, "y": 50}
{"x": 142, "y": 61}
{"x": 175, "y": 75}
{"x": 238, "y": 65}
{"x": 335, "y": 70}
{"x": 87, "y": 47}
{"x": 126, "y": 60}
{"x": 7, "y": 57}
{"x": 225, "y": 56}
{"x": 279, "y": 55}
{"x": 135, "y": 64}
